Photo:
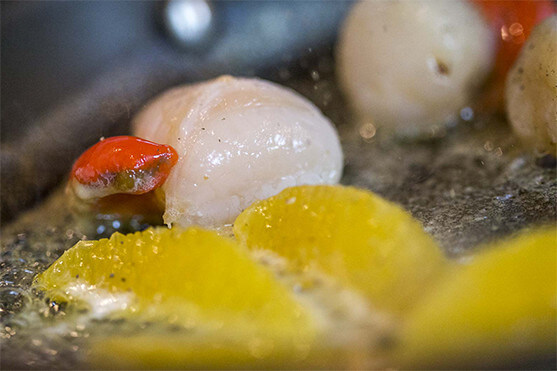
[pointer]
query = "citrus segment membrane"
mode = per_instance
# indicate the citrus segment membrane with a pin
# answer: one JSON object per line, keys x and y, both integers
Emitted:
{"x": 500, "y": 309}
{"x": 363, "y": 240}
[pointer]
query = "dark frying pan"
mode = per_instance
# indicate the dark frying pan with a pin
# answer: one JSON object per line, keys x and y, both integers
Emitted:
{"x": 72, "y": 72}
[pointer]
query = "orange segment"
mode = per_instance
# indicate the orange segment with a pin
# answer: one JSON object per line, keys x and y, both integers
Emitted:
{"x": 178, "y": 352}
{"x": 196, "y": 277}
{"x": 499, "y": 310}
{"x": 364, "y": 240}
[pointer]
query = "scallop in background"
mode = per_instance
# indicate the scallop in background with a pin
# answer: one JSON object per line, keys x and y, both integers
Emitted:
{"x": 411, "y": 66}
{"x": 531, "y": 89}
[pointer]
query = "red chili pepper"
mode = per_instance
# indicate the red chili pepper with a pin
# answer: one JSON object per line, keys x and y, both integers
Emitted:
{"x": 124, "y": 164}
{"x": 511, "y": 21}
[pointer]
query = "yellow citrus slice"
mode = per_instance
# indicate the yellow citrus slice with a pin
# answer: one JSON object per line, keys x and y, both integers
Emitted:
{"x": 195, "y": 278}
{"x": 499, "y": 308}
{"x": 170, "y": 351}
{"x": 355, "y": 235}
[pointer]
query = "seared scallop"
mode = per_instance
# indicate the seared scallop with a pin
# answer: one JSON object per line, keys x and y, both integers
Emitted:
{"x": 531, "y": 89}
{"x": 238, "y": 140}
